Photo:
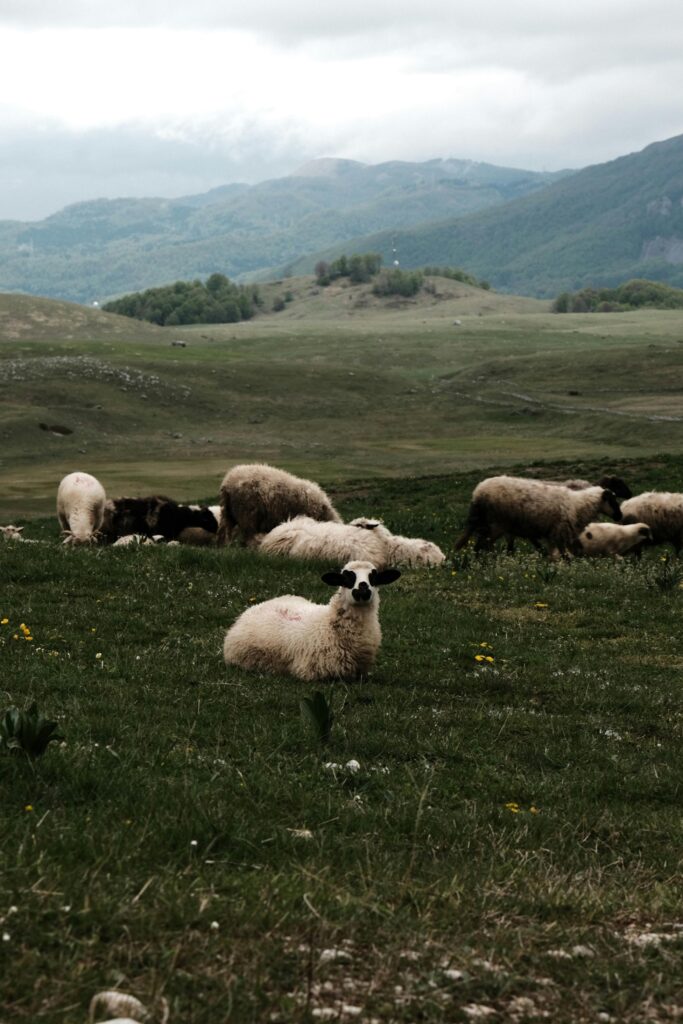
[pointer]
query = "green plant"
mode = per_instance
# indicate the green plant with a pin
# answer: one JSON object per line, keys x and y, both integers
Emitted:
{"x": 27, "y": 732}
{"x": 319, "y": 714}
{"x": 668, "y": 576}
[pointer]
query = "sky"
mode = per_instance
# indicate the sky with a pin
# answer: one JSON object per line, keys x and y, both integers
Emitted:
{"x": 168, "y": 98}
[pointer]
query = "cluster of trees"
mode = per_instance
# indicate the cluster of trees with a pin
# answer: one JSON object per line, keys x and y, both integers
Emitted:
{"x": 456, "y": 274}
{"x": 359, "y": 269}
{"x": 215, "y": 301}
{"x": 399, "y": 282}
{"x": 633, "y": 294}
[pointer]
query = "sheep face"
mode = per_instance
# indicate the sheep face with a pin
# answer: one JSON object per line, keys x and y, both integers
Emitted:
{"x": 609, "y": 506}
{"x": 359, "y": 581}
{"x": 12, "y": 532}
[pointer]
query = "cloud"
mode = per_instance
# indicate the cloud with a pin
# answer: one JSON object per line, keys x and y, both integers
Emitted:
{"x": 163, "y": 97}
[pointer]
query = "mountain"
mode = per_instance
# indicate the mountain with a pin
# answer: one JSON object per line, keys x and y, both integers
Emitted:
{"x": 95, "y": 250}
{"x": 599, "y": 226}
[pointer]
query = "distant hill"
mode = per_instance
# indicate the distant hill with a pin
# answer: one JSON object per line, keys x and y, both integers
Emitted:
{"x": 31, "y": 318}
{"x": 600, "y": 226}
{"x": 104, "y": 248}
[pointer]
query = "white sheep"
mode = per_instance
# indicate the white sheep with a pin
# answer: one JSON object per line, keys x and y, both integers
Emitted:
{"x": 368, "y": 539}
{"x": 257, "y": 497}
{"x": 508, "y": 506}
{"x": 292, "y": 635}
{"x": 663, "y": 513}
{"x": 80, "y": 507}
{"x": 614, "y": 538}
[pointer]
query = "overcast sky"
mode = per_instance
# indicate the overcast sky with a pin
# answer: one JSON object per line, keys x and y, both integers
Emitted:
{"x": 159, "y": 97}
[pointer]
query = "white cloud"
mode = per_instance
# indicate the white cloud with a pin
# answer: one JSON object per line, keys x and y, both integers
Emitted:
{"x": 255, "y": 88}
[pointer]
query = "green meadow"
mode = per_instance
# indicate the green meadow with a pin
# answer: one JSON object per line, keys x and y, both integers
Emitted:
{"x": 509, "y": 847}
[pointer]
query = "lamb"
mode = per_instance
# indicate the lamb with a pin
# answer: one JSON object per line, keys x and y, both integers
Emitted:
{"x": 80, "y": 507}
{"x": 292, "y": 635}
{"x": 663, "y": 513}
{"x": 12, "y": 533}
{"x": 540, "y": 512}
{"x": 614, "y": 538}
{"x": 154, "y": 515}
{"x": 257, "y": 497}
{"x": 303, "y": 537}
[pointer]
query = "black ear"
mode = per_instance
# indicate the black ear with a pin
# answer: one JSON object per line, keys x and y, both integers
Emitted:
{"x": 379, "y": 577}
{"x": 340, "y": 579}
{"x": 333, "y": 579}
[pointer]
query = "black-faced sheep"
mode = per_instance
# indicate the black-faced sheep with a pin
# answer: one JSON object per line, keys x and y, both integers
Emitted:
{"x": 292, "y": 635}
{"x": 152, "y": 516}
{"x": 257, "y": 497}
{"x": 368, "y": 539}
{"x": 80, "y": 507}
{"x": 615, "y": 484}
{"x": 554, "y": 515}
{"x": 663, "y": 513}
{"x": 614, "y": 538}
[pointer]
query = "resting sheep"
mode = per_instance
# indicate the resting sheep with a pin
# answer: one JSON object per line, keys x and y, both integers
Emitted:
{"x": 154, "y": 515}
{"x": 508, "y": 506}
{"x": 256, "y": 497}
{"x": 614, "y": 538}
{"x": 615, "y": 484}
{"x": 663, "y": 513}
{"x": 314, "y": 641}
{"x": 367, "y": 539}
{"x": 80, "y": 507}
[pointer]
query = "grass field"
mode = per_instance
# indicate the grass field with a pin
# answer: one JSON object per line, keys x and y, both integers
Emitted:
{"x": 510, "y": 847}
{"x": 351, "y": 393}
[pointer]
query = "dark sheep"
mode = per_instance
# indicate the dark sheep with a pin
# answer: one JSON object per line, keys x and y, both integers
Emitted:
{"x": 156, "y": 515}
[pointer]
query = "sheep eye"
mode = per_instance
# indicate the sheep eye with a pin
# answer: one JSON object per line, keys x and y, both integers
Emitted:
{"x": 348, "y": 579}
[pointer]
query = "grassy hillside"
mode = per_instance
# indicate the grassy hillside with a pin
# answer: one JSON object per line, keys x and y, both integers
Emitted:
{"x": 509, "y": 845}
{"x": 600, "y": 226}
{"x": 346, "y": 391}
{"x": 101, "y": 249}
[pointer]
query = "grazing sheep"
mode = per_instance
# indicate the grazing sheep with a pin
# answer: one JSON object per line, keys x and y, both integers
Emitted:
{"x": 80, "y": 507}
{"x": 662, "y": 511}
{"x": 153, "y": 515}
{"x": 368, "y": 539}
{"x": 256, "y": 497}
{"x": 314, "y": 641}
{"x": 516, "y": 507}
{"x": 614, "y": 538}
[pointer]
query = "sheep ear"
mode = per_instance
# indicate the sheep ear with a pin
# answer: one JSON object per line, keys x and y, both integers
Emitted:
{"x": 333, "y": 579}
{"x": 379, "y": 577}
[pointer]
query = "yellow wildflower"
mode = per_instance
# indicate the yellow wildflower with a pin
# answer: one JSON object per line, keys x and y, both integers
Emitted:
{"x": 540, "y": 604}
{"x": 489, "y": 659}
{"x": 512, "y": 806}
{"x": 28, "y": 807}
{"x": 478, "y": 657}
{"x": 533, "y": 810}
{"x": 3, "y": 622}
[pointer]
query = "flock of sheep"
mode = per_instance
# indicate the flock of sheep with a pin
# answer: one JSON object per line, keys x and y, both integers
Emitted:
{"x": 280, "y": 514}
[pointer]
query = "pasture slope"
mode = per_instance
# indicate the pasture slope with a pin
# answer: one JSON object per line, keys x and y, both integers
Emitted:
{"x": 509, "y": 848}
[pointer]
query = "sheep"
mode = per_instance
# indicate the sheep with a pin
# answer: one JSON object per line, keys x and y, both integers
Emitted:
{"x": 516, "y": 507}
{"x": 292, "y": 635}
{"x": 154, "y": 515}
{"x": 80, "y": 507}
{"x": 615, "y": 484}
{"x": 257, "y": 497}
{"x": 614, "y": 538}
{"x": 12, "y": 533}
{"x": 662, "y": 511}
{"x": 303, "y": 537}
